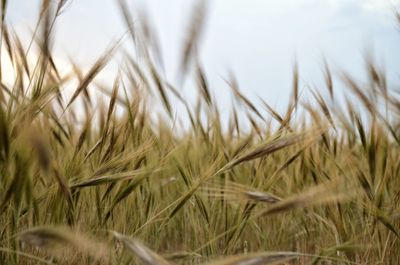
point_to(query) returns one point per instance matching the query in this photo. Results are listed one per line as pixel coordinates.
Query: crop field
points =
(93, 173)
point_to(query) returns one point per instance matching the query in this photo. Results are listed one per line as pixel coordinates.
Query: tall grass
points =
(88, 182)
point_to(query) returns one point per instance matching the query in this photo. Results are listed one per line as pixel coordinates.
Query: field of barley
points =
(92, 173)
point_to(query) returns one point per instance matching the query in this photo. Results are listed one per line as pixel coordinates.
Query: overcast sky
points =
(256, 39)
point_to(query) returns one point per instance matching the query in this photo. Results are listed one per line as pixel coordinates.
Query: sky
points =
(257, 40)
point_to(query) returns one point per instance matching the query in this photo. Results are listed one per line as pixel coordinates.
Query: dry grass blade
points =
(47, 14)
(146, 255)
(41, 148)
(257, 258)
(202, 84)
(92, 73)
(287, 163)
(2, 26)
(111, 105)
(102, 180)
(235, 88)
(382, 217)
(93, 149)
(177, 94)
(328, 79)
(3, 9)
(288, 116)
(231, 190)
(66, 192)
(46, 237)
(192, 190)
(181, 255)
(7, 41)
(273, 146)
(323, 106)
(161, 89)
(360, 128)
(124, 192)
(4, 135)
(360, 94)
(326, 193)
(60, 238)
(272, 112)
(21, 54)
(295, 84)
(128, 19)
(193, 35)
(262, 196)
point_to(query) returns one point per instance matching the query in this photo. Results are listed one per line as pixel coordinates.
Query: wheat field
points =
(92, 173)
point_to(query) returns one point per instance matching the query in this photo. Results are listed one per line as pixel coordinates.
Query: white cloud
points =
(380, 5)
